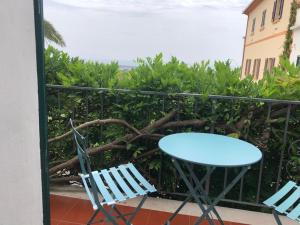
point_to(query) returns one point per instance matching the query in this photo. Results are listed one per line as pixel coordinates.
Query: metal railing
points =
(280, 118)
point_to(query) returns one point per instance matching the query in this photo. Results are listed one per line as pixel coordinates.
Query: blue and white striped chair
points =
(108, 187)
(286, 201)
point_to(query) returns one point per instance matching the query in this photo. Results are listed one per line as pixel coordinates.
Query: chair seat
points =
(285, 199)
(117, 184)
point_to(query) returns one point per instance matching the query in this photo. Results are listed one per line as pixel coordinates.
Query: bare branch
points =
(197, 123)
(159, 122)
(116, 144)
(72, 162)
(97, 123)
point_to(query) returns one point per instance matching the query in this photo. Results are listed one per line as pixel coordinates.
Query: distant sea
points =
(127, 67)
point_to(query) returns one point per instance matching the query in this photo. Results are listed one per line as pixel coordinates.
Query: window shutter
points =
(274, 10)
(246, 67)
(266, 65)
(272, 64)
(249, 67)
(254, 68)
(257, 68)
(281, 8)
(298, 61)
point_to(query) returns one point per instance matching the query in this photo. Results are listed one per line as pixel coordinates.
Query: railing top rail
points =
(265, 100)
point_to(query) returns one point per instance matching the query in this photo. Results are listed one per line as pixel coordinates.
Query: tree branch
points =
(92, 151)
(93, 123)
(197, 123)
(116, 144)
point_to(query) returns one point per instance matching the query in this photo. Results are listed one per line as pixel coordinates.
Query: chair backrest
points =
(85, 165)
(81, 146)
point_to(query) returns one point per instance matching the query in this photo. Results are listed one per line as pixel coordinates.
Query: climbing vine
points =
(289, 35)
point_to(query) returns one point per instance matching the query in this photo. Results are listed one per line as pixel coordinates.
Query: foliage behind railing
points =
(272, 125)
(123, 125)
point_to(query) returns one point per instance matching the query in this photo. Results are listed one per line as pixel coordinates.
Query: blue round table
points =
(210, 150)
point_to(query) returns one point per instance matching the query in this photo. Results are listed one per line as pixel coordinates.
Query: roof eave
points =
(251, 6)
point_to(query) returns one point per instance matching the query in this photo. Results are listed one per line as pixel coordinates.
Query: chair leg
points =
(120, 214)
(93, 217)
(133, 214)
(276, 217)
(107, 217)
(111, 220)
(137, 209)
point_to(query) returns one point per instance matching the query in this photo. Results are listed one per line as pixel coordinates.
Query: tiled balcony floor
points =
(73, 211)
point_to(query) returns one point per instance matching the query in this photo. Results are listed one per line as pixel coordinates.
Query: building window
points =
(253, 25)
(263, 19)
(256, 68)
(248, 67)
(278, 9)
(269, 64)
(298, 61)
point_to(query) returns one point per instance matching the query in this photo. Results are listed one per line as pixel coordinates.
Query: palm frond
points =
(52, 34)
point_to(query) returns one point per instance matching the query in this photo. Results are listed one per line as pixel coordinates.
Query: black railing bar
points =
(288, 114)
(263, 100)
(225, 177)
(58, 99)
(87, 103)
(241, 189)
(213, 113)
(161, 155)
(207, 185)
(261, 167)
(160, 171)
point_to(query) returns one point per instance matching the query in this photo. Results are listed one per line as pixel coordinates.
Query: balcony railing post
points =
(288, 114)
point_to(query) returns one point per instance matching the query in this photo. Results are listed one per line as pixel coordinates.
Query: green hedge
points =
(240, 118)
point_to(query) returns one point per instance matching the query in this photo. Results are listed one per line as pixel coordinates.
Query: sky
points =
(124, 30)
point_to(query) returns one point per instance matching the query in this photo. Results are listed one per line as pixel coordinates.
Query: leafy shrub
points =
(239, 118)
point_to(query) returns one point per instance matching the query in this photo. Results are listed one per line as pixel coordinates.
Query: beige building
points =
(267, 26)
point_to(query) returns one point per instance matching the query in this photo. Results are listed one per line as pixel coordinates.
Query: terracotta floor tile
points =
(181, 220)
(81, 213)
(70, 223)
(60, 205)
(193, 220)
(54, 222)
(159, 218)
(72, 211)
(142, 216)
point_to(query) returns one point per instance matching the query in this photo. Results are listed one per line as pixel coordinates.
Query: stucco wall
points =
(265, 42)
(272, 48)
(20, 189)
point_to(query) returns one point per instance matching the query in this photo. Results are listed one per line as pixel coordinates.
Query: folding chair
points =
(286, 201)
(110, 186)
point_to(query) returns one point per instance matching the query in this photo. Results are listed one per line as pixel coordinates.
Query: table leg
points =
(206, 199)
(222, 194)
(199, 185)
(193, 192)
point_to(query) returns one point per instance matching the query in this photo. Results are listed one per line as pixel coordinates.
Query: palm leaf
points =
(52, 34)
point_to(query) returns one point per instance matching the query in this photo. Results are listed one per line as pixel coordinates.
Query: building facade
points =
(266, 31)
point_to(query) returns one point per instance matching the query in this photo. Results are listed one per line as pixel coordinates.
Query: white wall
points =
(20, 172)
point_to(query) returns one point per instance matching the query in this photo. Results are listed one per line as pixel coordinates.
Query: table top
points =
(210, 149)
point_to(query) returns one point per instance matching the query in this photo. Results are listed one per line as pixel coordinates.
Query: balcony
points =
(266, 123)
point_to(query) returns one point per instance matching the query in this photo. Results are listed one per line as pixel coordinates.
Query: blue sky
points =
(123, 30)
